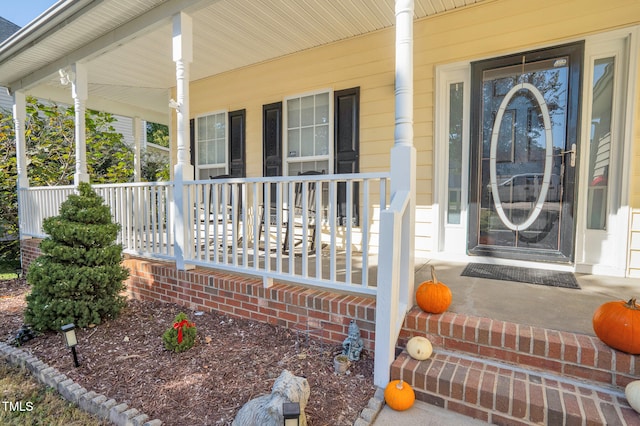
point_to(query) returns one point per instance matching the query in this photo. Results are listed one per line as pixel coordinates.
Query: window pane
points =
(219, 131)
(322, 140)
(293, 113)
(322, 108)
(220, 154)
(307, 112)
(307, 142)
(202, 153)
(293, 141)
(456, 92)
(600, 146)
(202, 128)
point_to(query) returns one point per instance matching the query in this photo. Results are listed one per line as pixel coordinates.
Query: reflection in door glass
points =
(600, 146)
(522, 146)
(456, 91)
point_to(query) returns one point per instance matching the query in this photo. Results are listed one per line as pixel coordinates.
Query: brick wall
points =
(30, 249)
(324, 314)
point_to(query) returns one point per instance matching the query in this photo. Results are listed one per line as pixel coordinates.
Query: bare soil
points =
(233, 361)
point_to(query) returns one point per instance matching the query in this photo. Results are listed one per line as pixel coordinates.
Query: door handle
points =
(572, 158)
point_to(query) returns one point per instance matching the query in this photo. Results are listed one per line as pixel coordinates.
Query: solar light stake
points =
(291, 413)
(71, 340)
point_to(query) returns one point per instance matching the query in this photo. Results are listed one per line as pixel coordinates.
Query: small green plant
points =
(181, 336)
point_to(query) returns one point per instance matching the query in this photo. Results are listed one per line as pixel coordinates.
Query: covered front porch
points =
(350, 233)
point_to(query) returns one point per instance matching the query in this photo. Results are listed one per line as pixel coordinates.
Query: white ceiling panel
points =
(228, 34)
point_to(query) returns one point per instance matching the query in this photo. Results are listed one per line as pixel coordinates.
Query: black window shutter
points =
(272, 143)
(237, 139)
(347, 147)
(272, 139)
(192, 146)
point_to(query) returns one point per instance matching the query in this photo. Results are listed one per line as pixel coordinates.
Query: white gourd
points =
(419, 348)
(632, 392)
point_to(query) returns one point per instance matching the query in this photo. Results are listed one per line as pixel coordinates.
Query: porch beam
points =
(99, 103)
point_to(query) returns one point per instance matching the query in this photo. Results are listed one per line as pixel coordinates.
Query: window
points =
(211, 145)
(309, 133)
(600, 142)
(456, 110)
(451, 161)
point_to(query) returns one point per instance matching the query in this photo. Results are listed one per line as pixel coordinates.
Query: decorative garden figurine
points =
(353, 344)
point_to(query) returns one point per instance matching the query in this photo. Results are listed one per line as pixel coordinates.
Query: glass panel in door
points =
(526, 159)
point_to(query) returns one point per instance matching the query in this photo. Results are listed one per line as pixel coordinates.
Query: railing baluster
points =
(364, 224)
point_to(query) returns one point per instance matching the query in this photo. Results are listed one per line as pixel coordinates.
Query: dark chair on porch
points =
(299, 220)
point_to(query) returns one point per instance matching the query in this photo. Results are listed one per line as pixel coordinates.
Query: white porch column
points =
(403, 153)
(397, 223)
(183, 171)
(137, 155)
(20, 119)
(80, 92)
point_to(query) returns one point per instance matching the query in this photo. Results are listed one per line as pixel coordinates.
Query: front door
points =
(524, 137)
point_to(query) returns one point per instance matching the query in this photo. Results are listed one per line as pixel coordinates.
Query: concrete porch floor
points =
(549, 307)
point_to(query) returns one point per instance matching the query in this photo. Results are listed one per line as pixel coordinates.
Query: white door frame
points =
(450, 240)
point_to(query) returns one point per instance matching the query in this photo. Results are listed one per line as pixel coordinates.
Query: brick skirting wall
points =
(321, 313)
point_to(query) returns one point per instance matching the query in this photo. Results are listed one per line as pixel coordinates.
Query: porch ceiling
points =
(127, 43)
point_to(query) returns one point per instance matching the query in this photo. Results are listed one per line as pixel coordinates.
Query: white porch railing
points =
(230, 228)
(233, 230)
(38, 204)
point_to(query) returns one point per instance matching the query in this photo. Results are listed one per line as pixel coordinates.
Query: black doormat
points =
(522, 275)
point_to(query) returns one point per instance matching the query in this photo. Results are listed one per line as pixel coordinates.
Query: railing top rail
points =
(270, 179)
(48, 188)
(132, 184)
(298, 178)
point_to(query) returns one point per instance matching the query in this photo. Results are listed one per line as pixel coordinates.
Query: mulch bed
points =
(233, 361)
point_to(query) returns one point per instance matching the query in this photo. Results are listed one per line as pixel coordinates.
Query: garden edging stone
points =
(89, 401)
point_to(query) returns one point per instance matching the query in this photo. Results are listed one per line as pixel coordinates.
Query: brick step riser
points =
(569, 354)
(501, 395)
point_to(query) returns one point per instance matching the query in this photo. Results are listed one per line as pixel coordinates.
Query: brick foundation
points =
(321, 313)
(324, 314)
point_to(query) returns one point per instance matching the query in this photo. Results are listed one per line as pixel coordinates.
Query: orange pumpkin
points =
(399, 395)
(618, 324)
(433, 296)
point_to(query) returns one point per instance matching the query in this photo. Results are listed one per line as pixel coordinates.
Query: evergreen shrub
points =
(79, 277)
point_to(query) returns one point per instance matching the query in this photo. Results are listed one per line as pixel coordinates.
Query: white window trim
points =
(450, 238)
(226, 141)
(286, 160)
(611, 243)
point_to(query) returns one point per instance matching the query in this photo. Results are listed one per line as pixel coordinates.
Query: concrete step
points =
(505, 394)
(563, 353)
